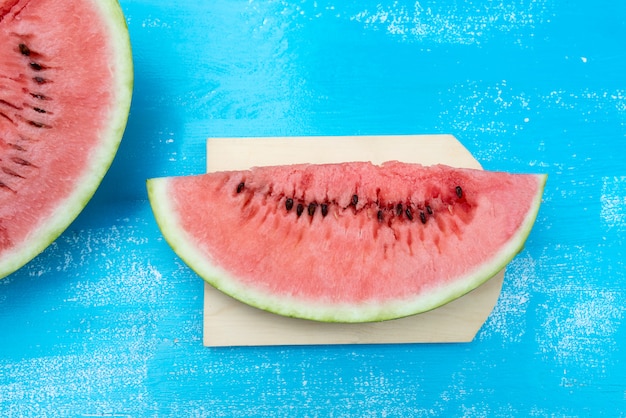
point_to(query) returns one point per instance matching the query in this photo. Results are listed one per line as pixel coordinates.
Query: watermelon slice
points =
(349, 242)
(66, 82)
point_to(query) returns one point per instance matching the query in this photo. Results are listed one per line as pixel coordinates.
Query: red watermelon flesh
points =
(65, 87)
(348, 242)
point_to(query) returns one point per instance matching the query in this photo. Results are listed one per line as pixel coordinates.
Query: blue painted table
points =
(108, 321)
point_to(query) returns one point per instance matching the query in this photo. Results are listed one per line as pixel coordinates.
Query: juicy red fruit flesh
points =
(390, 238)
(348, 242)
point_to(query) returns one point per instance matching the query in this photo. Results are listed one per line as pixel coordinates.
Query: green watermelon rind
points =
(167, 219)
(69, 209)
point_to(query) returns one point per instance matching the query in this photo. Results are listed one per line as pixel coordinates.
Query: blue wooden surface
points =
(108, 321)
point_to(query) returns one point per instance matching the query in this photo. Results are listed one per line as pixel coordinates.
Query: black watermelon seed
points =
(39, 110)
(399, 209)
(37, 124)
(409, 214)
(10, 172)
(422, 217)
(289, 204)
(35, 66)
(429, 210)
(311, 208)
(11, 105)
(324, 207)
(240, 187)
(380, 216)
(459, 191)
(24, 50)
(3, 185)
(21, 161)
(355, 199)
(6, 117)
(40, 96)
(299, 209)
(40, 80)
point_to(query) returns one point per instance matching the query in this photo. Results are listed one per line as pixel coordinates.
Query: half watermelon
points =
(348, 242)
(66, 80)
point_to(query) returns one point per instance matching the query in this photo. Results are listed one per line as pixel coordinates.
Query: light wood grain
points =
(228, 322)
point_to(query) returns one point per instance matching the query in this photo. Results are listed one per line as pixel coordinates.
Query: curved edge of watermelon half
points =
(168, 218)
(100, 160)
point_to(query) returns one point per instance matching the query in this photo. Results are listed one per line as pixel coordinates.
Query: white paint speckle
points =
(581, 333)
(154, 23)
(507, 320)
(613, 203)
(457, 23)
(488, 109)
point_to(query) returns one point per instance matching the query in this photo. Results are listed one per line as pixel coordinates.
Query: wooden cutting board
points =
(228, 322)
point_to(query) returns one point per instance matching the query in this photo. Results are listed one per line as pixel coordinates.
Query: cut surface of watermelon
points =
(350, 242)
(66, 82)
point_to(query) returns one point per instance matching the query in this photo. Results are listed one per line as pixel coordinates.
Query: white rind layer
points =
(69, 208)
(169, 222)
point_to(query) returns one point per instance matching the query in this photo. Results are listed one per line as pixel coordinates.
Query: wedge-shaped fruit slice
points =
(66, 80)
(350, 242)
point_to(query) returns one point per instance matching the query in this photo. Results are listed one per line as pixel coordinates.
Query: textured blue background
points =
(108, 321)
